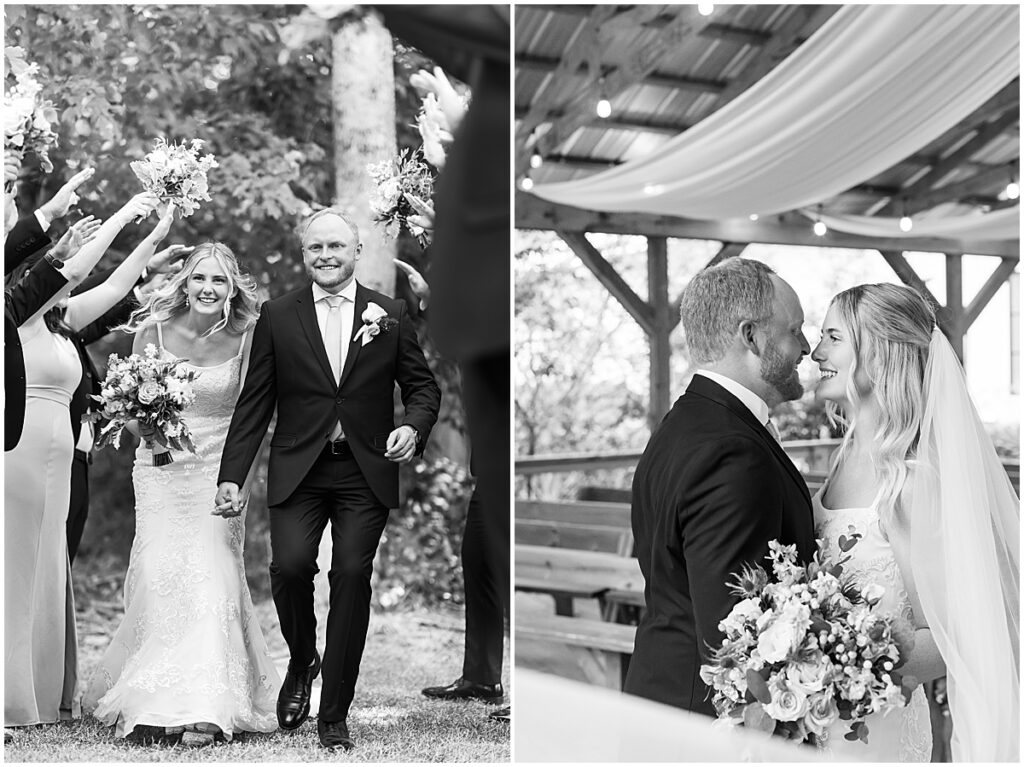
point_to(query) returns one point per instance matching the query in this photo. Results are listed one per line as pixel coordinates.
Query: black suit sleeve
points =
(736, 507)
(421, 395)
(22, 241)
(35, 289)
(255, 406)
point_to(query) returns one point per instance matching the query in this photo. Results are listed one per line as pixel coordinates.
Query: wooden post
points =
(954, 326)
(661, 348)
(1015, 333)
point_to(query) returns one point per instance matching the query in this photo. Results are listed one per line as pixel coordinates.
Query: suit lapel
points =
(362, 301)
(711, 390)
(306, 310)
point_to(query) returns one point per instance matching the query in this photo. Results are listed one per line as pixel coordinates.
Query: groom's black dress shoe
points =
(293, 700)
(334, 735)
(462, 689)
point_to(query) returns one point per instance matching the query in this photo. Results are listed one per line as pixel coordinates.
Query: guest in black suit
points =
(470, 311)
(334, 455)
(714, 486)
(29, 234)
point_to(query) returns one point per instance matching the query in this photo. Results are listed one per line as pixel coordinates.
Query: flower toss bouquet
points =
(804, 648)
(176, 173)
(152, 391)
(28, 117)
(402, 186)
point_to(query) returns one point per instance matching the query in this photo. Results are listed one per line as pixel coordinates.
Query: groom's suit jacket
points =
(712, 488)
(289, 369)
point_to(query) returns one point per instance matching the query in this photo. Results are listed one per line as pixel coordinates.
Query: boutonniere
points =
(375, 320)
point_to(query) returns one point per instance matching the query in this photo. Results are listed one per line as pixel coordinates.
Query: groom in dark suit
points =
(328, 356)
(714, 486)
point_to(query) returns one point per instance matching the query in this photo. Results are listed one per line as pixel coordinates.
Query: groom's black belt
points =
(339, 450)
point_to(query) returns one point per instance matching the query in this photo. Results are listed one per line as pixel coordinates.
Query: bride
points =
(189, 651)
(918, 484)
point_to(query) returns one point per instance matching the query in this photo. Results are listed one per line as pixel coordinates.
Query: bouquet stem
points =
(162, 459)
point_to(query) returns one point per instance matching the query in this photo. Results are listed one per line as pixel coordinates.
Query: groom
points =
(327, 356)
(714, 486)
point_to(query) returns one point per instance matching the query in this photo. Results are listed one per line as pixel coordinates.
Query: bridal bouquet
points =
(404, 186)
(152, 391)
(28, 118)
(803, 649)
(176, 173)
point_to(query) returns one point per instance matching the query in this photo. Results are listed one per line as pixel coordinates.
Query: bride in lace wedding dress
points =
(917, 485)
(190, 649)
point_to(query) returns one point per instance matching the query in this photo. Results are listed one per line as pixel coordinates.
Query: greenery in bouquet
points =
(419, 553)
(28, 117)
(153, 392)
(803, 649)
(402, 186)
(176, 173)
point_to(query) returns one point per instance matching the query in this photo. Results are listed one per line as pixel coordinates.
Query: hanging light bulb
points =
(604, 108)
(906, 224)
(820, 229)
(753, 217)
(705, 9)
(536, 160)
(1012, 190)
(526, 184)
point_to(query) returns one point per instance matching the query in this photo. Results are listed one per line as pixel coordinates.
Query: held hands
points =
(66, 196)
(229, 501)
(401, 444)
(77, 235)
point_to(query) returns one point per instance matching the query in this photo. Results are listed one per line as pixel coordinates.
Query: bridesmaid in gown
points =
(40, 669)
(189, 653)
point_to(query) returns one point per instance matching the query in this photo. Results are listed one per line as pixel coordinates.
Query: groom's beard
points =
(332, 279)
(780, 373)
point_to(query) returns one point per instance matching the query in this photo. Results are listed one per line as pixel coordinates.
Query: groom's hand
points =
(401, 444)
(228, 502)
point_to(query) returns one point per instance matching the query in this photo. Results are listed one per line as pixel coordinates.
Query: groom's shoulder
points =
(385, 301)
(287, 299)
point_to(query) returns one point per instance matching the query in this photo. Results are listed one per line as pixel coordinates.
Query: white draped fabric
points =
(558, 720)
(977, 227)
(873, 85)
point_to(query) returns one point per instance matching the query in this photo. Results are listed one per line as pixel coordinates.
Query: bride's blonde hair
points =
(890, 328)
(240, 310)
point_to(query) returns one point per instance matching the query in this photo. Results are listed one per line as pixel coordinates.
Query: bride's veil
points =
(965, 557)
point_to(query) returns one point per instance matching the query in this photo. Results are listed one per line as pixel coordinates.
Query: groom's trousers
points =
(333, 491)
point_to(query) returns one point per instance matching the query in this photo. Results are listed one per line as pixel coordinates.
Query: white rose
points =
(785, 633)
(787, 704)
(808, 677)
(822, 711)
(743, 611)
(372, 313)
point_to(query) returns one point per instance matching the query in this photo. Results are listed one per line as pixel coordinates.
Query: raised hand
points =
(66, 196)
(163, 226)
(169, 260)
(451, 103)
(12, 167)
(416, 282)
(138, 207)
(77, 235)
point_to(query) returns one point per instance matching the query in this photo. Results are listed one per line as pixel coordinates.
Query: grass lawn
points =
(390, 720)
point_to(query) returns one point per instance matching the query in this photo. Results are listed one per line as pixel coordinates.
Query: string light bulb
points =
(906, 224)
(819, 228)
(604, 106)
(753, 217)
(526, 184)
(705, 9)
(536, 160)
(1012, 190)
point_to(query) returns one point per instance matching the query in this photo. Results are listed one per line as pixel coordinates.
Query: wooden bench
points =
(575, 525)
(568, 574)
(602, 649)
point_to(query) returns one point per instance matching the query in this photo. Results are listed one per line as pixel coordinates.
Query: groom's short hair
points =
(718, 299)
(332, 211)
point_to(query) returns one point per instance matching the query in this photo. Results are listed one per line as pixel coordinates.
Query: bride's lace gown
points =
(189, 648)
(903, 735)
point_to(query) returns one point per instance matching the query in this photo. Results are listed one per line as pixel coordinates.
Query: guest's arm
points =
(34, 291)
(87, 307)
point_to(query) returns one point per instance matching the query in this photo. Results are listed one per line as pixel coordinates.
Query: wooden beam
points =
(954, 327)
(578, 162)
(531, 212)
(659, 339)
(952, 161)
(979, 182)
(641, 62)
(535, 63)
(906, 273)
(992, 285)
(610, 279)
(1015, 333)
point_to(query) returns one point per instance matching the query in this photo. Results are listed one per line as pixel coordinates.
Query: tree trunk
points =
(363, 94)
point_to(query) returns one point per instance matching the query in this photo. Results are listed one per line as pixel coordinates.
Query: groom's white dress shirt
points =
(754, 404)
(348, 310)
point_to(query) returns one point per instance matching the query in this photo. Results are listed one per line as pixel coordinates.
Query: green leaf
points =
(755, 718)
(758, 686)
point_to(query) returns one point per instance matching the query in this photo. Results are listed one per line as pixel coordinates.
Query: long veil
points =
(965, 557)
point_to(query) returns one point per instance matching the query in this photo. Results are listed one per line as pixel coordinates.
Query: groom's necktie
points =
(332, 343)
(773, 430)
